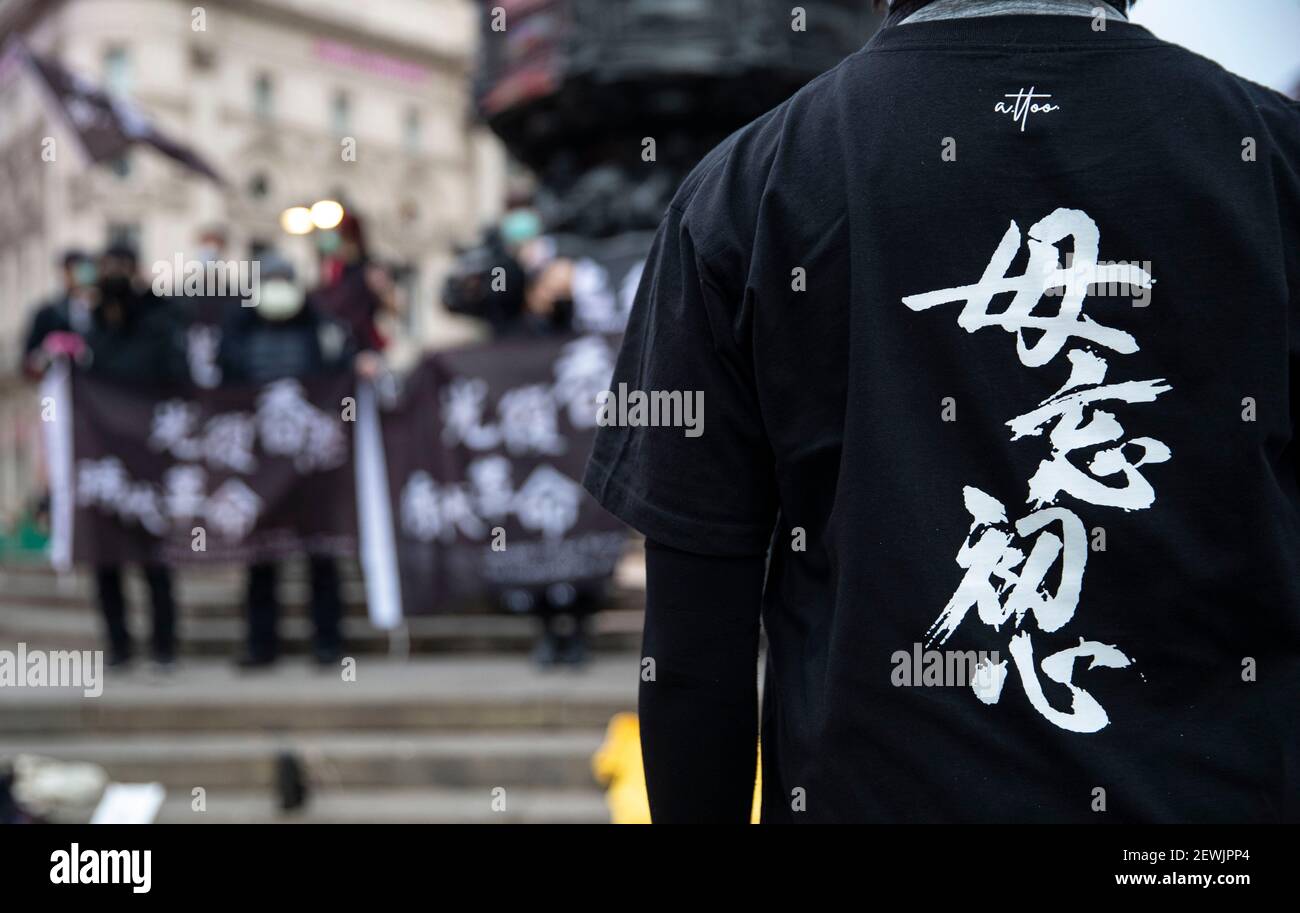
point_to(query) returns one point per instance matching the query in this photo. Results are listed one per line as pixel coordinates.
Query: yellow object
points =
(618, 767)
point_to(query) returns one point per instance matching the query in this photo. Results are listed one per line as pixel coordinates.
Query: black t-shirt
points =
(997, 330)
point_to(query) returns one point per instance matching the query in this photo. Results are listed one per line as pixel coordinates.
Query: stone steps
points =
(466, 760)
(617, 629)
(378, 806)
(522, 806)
(421, 739)
(429, 694)
(56, 611)
(219, 591)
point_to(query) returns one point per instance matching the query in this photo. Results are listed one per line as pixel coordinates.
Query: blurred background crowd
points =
(379, 161)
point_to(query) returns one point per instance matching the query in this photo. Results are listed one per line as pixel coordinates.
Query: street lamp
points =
(302, 220)
(326, 214)
(297, 220)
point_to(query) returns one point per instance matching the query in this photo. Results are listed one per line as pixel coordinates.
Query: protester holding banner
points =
(66, 313)
(134, 338)
(285, 336)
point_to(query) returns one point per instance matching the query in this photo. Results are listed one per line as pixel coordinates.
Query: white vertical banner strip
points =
(56, 422)
(378, 543)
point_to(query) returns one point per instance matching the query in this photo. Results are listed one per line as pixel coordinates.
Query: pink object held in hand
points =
(63, 343)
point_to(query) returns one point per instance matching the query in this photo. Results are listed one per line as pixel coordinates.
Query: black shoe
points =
(118, 658)
(546, 652)
(163, 657)
(573, 651)
(163, 665)
(290, 782)
(327, 657)
(250, 661)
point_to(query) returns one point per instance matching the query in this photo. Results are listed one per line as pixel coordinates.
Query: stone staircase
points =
(463, 729)
(57, 611)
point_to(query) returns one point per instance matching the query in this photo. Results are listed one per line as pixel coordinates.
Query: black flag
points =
(105, 125)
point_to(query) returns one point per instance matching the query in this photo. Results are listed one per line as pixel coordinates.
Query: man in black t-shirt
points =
(997, 334)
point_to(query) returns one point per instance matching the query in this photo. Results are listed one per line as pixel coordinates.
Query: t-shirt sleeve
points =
(696, 476)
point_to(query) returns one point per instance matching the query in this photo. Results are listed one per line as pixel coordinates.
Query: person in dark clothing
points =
(352, 290)
(134, 338)
(207, 312)
(474, 288)
(285, 335)
(68, 312)
(1001, 446)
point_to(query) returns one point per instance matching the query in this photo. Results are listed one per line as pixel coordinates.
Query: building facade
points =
(291, 101)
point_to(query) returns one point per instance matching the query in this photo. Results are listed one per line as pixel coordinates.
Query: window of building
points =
(259, 186)
(126, 234)
(264, 96)
(202, 59)
(341, 113)
(117, 70)
(412, 133)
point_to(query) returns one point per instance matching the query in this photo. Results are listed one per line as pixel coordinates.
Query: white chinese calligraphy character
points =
(1070, 433)
(1085, 714)
(283, 418)
(583, 369)
(183, 491)
(172, 427)
(228, 441)
(1042, 273)
(493, 487)
(463, 403)
(528, 421)
(987, 554)
(232, 509)
(548, 501)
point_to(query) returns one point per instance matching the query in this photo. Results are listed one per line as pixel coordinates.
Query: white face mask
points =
(278, 299)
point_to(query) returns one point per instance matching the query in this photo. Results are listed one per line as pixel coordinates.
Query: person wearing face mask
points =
(134, 338)
(285, 335)
(353, 289)
(58, 323)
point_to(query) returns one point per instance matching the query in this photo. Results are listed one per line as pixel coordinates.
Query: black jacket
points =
(146, 345)
(256, 351)
(50, 317)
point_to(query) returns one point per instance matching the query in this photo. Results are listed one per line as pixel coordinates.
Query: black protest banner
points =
(239, 474)
(486, 448)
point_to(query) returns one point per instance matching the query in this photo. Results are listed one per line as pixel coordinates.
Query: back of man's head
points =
(899, 9)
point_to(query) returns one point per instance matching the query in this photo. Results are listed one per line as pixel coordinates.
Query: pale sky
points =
(1257, 39)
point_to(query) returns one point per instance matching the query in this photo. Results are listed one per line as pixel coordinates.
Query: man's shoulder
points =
(1208, 80)
(50, 309)
(724, 192)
